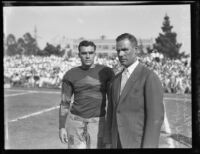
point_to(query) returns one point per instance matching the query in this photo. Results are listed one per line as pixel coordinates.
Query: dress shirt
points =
(131, 68)
(126, 74)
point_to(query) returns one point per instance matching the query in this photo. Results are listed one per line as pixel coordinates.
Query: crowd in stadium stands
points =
(36, 71)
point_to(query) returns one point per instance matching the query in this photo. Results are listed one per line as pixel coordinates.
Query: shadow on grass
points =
(187, 141)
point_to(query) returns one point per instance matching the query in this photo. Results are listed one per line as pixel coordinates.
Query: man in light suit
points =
(136, 112)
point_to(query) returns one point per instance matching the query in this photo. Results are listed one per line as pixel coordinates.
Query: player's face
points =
(87, 55)
(126, 52)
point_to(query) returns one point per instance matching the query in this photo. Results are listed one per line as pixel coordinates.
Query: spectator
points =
(165, 68)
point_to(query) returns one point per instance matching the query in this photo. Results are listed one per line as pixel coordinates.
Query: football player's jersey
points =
(89, 87)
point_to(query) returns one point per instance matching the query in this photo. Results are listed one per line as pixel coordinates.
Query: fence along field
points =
(31, 120)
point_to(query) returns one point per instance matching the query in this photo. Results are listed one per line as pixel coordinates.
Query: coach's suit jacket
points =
(138, 113)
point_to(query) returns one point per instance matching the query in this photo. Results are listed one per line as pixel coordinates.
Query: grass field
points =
(31, 120)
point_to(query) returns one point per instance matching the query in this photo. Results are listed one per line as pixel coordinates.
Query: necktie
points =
(124, 79)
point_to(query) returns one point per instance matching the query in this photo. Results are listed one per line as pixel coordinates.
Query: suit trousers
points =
(119, 146)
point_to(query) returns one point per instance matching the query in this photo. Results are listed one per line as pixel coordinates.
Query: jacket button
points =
(118, 111)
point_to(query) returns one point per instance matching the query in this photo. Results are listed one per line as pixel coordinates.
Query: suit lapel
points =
(130, 82)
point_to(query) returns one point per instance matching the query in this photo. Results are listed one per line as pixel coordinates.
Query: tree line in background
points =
(165, 44)
(27, 45)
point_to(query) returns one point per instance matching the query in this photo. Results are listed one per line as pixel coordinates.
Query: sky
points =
(143, 21)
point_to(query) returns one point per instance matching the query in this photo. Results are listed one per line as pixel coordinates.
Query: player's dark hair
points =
(128, 36)
(86, 43)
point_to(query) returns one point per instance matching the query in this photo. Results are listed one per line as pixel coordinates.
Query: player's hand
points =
(63, 135)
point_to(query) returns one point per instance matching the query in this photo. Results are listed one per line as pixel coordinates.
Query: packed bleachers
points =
(36, 71)
(175, 75)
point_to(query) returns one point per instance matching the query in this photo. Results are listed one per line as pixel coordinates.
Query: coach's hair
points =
(128, 36)
(86, 43)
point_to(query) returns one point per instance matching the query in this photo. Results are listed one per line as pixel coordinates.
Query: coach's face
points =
(87, 55)
(126, 52)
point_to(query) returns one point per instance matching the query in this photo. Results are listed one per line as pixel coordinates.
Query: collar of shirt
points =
(132, 67)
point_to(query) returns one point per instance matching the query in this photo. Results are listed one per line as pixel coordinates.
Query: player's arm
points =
(109, 110)
(108, 122)
(109, 81)
(66, 94)
(64, 110)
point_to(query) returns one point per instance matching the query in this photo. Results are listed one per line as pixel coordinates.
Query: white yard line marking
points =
(35, 91)
(168, 131)
(59, 92)
(15, 90)
(10, 95)
(35, 113)
(177, 99)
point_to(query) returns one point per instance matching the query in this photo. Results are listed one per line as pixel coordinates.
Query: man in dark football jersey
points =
(81, 123)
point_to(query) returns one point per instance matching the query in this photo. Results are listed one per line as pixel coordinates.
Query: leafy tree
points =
(11, 45)
(59, 51)
(69, 53)
(20, 46)
(52, 50)
(11, 39)
(49, 49)
(31, 47)
(43, 53)
(166, 43)
(141, 48)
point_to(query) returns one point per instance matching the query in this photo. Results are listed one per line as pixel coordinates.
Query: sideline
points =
(10, 95)
(34, 114)
(36, 91)
(177, 99)
(170, 141)
(58, 92)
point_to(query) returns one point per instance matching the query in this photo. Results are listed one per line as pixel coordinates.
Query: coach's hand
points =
(63, 135)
